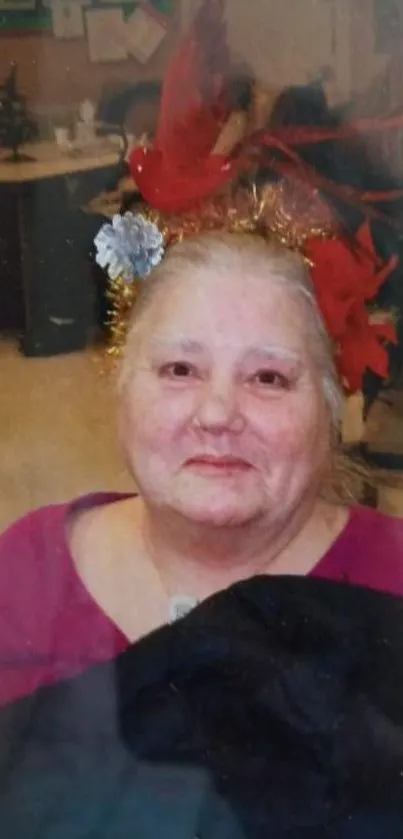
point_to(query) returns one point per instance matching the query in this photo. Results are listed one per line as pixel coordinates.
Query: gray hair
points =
(225, 252)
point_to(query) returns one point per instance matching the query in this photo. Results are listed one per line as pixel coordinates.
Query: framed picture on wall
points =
(17, 5)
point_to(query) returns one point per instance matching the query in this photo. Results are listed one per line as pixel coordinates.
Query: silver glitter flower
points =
(131, 246)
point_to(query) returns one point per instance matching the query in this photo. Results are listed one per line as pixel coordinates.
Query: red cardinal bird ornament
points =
(179, 170)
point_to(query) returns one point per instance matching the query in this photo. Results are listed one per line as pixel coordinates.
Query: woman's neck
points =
(198, 560)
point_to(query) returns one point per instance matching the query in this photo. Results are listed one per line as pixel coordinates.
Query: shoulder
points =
(46, 618)
(31, 561)
(35, 545)
(373, 547)
(33, 552)
(34, 549)
(31, 531)
(367, 523)
(45, 527)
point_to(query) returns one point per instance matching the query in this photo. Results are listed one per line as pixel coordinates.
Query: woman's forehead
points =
(225, 311)
(221, 299)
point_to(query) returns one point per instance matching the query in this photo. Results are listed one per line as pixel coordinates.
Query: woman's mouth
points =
(218, 464)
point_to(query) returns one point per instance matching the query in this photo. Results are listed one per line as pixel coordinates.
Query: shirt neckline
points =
(325, 563)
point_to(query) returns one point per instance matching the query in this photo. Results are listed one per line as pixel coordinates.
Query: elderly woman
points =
(275, 705)
(244, 613)
(230, 406)
(229, 411)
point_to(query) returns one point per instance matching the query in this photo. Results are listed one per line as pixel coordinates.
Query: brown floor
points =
(57, 432)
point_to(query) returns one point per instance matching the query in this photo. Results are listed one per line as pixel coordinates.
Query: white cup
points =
(62, 138)
(85, 135)
(115, 140)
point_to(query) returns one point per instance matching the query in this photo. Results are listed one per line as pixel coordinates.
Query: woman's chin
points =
(209, 501)
(219, 511)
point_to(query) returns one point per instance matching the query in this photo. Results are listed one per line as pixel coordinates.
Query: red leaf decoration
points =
(346, 278)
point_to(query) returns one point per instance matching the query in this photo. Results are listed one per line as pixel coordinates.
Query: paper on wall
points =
(49, 3)
(106, 35)
(144, 33)
(67, 19)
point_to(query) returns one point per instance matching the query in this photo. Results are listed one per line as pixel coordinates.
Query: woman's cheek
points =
(289, 426)
(161, 418)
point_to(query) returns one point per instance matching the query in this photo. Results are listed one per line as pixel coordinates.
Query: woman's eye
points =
(177, 370)
(271, 379)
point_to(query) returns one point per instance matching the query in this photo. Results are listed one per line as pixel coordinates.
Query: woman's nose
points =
(218, 409)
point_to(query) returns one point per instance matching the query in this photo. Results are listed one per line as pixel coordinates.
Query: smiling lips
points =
(218, 465)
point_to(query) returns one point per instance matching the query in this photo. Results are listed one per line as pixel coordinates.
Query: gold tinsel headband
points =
(345, 279)
(290, 215)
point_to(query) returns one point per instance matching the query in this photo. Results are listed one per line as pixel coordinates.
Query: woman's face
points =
(223, 418)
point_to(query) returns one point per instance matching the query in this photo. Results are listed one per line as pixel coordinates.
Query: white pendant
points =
(180, 606)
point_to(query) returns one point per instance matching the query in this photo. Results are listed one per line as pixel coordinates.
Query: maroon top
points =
(51, 628)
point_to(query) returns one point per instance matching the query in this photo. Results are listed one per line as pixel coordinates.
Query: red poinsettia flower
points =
(346, 278)
(361, 347)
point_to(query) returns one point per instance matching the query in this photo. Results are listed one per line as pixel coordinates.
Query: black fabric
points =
(273, 710)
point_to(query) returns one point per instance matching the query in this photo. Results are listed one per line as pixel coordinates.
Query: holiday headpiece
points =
(186, 189)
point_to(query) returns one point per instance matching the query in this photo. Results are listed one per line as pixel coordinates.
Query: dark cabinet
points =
(48, 288)
(11, 291)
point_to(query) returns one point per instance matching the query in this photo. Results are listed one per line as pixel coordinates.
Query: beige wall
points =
(366, 63)
(54, 72)
(286, 40)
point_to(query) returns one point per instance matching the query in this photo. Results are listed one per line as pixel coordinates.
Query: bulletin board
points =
(36, 15)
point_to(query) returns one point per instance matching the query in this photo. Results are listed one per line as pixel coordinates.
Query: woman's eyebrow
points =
(266, 352)
(183, 345)
(273, 352)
